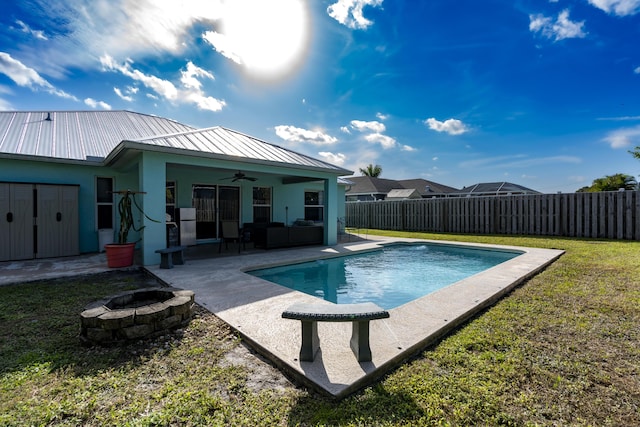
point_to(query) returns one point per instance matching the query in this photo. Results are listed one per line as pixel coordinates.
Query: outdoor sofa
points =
(270, 235)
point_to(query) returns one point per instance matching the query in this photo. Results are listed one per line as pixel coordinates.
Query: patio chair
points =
(231, 232)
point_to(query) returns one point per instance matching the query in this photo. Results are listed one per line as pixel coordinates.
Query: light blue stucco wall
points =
(12, 170)
(148, 171)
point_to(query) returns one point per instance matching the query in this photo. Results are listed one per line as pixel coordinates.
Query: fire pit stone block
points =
(136, 314)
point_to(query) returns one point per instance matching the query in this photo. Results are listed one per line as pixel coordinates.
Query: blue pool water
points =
(389, 277)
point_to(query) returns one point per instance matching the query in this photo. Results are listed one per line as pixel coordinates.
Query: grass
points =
(562, 349)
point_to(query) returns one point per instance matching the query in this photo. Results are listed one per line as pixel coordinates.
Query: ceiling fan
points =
(240, 176)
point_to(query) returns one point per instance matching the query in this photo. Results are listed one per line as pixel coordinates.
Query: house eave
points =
(121, 151)
(47, 159)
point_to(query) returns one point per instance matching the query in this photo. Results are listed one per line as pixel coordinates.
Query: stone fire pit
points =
(136, 314)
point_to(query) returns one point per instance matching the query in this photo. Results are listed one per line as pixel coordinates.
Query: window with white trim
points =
(314, 206)
(261, 204)
(104, 202)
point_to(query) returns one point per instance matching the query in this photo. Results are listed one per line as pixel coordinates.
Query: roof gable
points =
(426, 187)
(228, 143)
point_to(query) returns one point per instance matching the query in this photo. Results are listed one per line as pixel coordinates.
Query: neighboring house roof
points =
(403, 193)
(366, 185)
(102, 136)
(494, 188)
(425, 187)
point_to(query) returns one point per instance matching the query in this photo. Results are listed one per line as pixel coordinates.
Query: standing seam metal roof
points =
(77, 135)
(226, 142)
(93, 135)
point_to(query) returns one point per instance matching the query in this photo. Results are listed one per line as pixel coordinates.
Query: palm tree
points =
(372, 171)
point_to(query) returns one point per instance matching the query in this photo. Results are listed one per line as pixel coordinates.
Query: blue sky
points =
(541, 93)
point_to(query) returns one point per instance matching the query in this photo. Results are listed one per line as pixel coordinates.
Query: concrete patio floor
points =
(253, 307)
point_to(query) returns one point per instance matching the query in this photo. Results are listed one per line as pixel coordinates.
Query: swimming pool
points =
(389, 277)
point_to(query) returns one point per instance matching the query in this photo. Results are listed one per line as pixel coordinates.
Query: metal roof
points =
(94, 136)
(76, 135)
(230, 144)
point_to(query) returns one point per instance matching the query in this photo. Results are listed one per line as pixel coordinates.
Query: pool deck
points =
(253, 307)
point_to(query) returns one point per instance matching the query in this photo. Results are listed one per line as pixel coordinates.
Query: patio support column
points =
(331, 211)
(153, 177)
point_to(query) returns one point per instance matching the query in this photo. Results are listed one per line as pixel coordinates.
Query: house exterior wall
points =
(12, 170)
(148, 171)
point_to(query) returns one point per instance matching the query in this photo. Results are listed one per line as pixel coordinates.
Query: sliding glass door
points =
(214, 203)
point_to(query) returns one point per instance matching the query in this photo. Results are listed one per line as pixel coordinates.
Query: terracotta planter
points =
(119, 255)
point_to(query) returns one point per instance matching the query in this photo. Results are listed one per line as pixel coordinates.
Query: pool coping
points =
(253, 307)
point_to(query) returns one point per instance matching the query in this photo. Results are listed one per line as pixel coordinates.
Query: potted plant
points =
(120, 254)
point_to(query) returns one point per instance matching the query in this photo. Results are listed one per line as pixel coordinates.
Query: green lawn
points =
(562, 349)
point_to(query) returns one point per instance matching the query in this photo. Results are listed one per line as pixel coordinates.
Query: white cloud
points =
(345, 129)
(204, 102)
(382, 117)
(86, 29)
(193, 88)
(561, 28)
(191, 93)
(623, 137)
(617, 7)
(26, 29)
(127, 27)
(122, 96)
(450, 126)
(374, 130)
(337, 159)
(97, 104)
(435, 159)
(258, 34)
(637, 70)
(349, 12)
(189, 76)
(164, 88)
(385, 141)
(295, 134)
(372, 126)
(28, 77)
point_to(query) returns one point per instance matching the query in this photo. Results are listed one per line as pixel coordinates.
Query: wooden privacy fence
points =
(611, 215)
